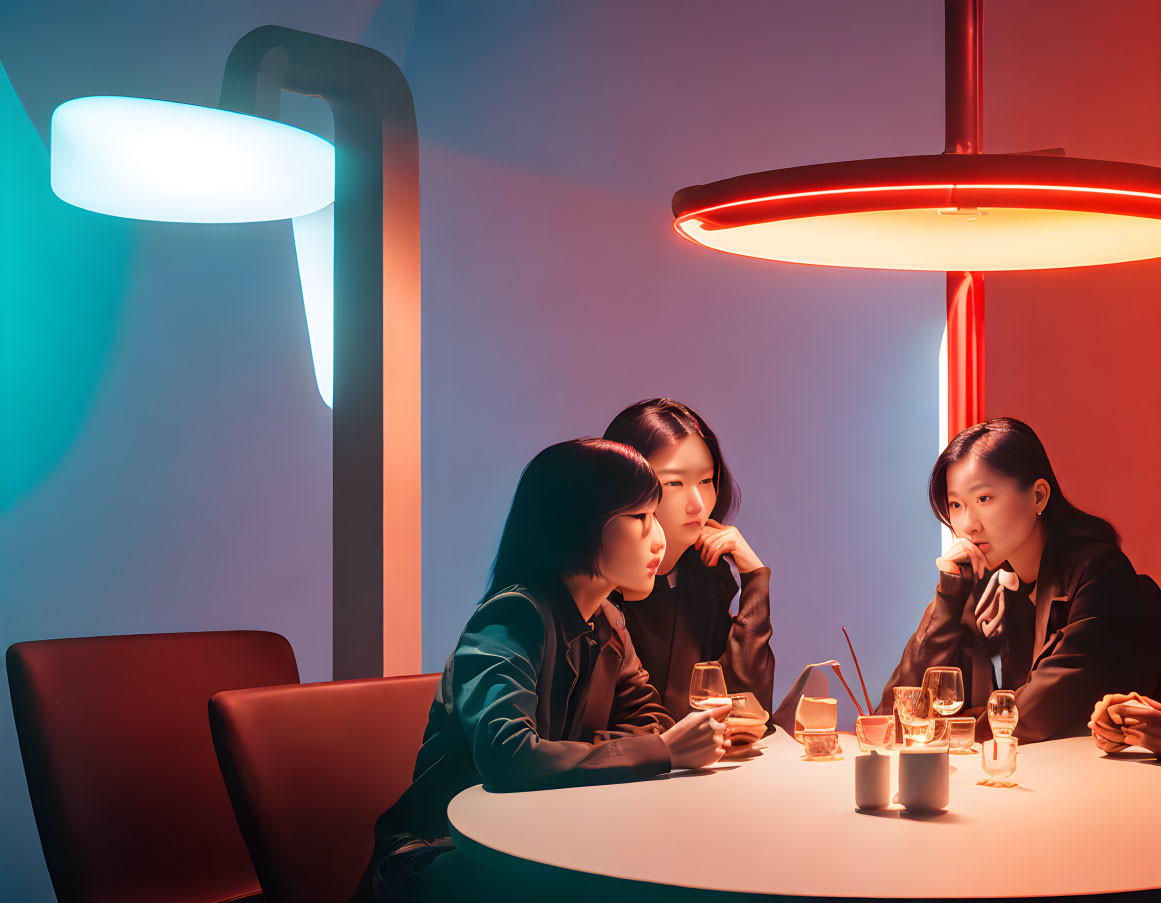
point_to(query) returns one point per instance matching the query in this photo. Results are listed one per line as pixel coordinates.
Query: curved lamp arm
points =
(376, 328)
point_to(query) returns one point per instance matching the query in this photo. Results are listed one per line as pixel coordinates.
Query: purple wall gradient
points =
(555, 292)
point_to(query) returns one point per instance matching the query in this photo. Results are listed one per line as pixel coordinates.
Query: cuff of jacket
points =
(754, 601)
(952, 594)
(648, 754)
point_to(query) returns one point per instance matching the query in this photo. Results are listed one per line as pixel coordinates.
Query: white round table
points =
(1078, 822)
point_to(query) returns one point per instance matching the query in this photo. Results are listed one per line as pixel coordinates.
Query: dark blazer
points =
(1100, 633)
(516, 709)
(675, 627)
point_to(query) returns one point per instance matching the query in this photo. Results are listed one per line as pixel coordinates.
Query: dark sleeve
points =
(1108, 645)
(943, 638)
(495, 670)
(748, 662)
(637, 706)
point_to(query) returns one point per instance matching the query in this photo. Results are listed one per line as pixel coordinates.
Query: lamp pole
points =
(963, 100)
(376, 330)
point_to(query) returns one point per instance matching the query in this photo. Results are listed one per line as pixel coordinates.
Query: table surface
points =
(1078, 822)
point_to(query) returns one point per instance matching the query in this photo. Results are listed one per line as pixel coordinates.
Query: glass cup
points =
(876, 733)
(916, 716)
(1003, 713)
(815, 713)
(962, 735)
(707, 687)
(818, 744)
(940, 734)
(998, 756)
(946, 686)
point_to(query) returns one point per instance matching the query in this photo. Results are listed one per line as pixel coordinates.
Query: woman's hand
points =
(1140, 722)
(698, 739)
(717, 539)
(962, 551)
(1105, 731)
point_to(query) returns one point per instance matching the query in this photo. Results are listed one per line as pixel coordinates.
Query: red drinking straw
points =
(870, 708)
(838, 670)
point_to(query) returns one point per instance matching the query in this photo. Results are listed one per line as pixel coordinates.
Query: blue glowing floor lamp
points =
(355, 212)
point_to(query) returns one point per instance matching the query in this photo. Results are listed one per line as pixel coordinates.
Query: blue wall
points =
(187, 481)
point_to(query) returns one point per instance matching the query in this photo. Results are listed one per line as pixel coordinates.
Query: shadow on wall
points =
(63, 273)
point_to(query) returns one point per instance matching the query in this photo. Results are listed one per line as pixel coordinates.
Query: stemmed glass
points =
(707, 686)
(1002, 713)
(946, 686)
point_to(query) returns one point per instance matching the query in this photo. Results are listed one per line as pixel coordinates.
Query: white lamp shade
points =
(176, 162)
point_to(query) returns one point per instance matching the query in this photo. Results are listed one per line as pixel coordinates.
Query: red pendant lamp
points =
(962, 211)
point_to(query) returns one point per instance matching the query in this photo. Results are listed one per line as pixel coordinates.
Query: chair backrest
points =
(125, 786)
(310, 768)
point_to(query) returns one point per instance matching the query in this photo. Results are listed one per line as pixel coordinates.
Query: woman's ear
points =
(1041, 492)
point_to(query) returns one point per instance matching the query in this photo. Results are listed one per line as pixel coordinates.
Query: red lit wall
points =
(1077, 353)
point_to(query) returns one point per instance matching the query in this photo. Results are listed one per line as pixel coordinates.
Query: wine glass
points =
(916, 716)
(946, 686)
(998, 756)
(1002, 713)
(707, 686)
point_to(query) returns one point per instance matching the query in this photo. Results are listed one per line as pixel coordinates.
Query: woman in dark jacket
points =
(684, 617)
(1033, 580)
(544, 688)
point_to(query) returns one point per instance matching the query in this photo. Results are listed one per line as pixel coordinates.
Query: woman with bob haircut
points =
(1033, 579)
(544, 688)
(684, 616)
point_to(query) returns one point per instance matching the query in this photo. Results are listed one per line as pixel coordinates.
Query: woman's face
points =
(632, 546)
(686, 472)
(990, 509)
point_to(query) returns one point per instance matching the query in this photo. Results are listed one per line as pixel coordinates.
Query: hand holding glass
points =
(946, 686)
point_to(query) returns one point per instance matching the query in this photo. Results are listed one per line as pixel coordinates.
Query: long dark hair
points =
(1010, 447)
(657, 422)
(565, 497)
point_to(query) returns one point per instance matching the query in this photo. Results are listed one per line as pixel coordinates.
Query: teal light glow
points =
(314, 242)
(63, 284)
(176, 162)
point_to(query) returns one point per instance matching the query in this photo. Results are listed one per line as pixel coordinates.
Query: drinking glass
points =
(818, 744)
(963, 734)
(876, 733)
(707, 686)
(940, 734)
(946, 686)
(998, 756)
(1002, 713)
(916, 715)
(815, 713)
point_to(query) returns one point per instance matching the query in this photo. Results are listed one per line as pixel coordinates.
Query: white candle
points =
(872, 781)
(923, 779)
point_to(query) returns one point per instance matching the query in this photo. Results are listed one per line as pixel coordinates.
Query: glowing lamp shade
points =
(967, 212)
(175, 162)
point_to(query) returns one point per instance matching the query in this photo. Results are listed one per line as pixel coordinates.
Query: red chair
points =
(310, 768)
(125, 787)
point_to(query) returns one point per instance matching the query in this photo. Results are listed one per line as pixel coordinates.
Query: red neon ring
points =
(927, 181)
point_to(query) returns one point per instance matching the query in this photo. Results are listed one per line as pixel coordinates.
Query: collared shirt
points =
(1095, 628)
